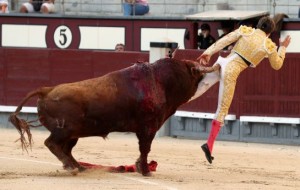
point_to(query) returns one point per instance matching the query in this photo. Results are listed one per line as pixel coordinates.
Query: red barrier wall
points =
(23, 70)
(260, 91)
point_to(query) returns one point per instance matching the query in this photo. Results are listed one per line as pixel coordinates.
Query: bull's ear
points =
(195, 72)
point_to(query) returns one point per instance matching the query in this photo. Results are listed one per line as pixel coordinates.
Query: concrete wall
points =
(197, 128)
(257, 132)
(171, 7)
(5, 115)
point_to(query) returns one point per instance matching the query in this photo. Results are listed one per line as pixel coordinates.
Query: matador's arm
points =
(276, 58)
(205, 69)
(223, 42)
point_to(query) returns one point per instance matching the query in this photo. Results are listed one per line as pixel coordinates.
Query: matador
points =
(251, 47)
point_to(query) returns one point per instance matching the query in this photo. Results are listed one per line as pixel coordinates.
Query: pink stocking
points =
(215, 128)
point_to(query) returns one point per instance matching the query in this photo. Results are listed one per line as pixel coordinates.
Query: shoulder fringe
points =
(245, 30)
(269, 46)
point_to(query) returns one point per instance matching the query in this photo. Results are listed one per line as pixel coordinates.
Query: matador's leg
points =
(229, 74)
(208, 81)
(211, 77)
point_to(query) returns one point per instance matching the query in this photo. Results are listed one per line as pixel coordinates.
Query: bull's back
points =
(115, 100)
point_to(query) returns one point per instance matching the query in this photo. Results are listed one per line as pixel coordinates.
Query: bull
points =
(136, 99)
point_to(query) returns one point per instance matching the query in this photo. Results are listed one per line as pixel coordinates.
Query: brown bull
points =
(135, 99)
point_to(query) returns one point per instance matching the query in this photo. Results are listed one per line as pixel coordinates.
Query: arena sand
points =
(181, 165)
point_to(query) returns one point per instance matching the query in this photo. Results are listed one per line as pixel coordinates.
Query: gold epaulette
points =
(270, 46)
(245, 30)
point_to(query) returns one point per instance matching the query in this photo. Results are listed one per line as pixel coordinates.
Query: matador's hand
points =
(285, 42)
(203, 59)
(205, 69)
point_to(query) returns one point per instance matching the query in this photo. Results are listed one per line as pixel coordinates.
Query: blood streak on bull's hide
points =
(150, 95)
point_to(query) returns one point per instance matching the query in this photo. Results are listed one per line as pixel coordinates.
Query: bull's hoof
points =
(68, 167)
(144, 170)
(73, 171)
(75, 167)
(81, 169)
(138, 168)
(149, 174)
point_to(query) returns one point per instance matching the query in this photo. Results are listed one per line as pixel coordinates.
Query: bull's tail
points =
(22, 125)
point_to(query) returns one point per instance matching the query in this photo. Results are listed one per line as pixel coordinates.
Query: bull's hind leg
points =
(55, 143)
(67, 149)
(145, 141)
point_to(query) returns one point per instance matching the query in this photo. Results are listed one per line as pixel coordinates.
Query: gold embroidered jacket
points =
(253, 45)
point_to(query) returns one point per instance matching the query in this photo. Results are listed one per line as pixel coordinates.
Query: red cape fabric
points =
(120, 169)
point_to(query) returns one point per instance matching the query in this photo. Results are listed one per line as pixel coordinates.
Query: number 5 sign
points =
(62, 37)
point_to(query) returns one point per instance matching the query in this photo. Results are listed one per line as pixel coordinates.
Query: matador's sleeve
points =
(223, 42)
(276, 58)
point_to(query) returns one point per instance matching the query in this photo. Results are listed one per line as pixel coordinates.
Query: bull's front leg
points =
(145, 141)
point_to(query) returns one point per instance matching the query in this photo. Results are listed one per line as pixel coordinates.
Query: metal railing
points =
(169, 7)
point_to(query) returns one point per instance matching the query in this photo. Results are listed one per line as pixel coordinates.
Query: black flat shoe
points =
(207, 153)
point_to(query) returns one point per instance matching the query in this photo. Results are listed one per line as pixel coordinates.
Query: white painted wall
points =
(16, 35)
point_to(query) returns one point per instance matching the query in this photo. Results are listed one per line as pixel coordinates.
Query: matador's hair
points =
(266, 24)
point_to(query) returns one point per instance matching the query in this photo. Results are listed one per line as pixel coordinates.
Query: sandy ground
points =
(181, 165)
